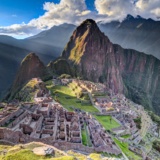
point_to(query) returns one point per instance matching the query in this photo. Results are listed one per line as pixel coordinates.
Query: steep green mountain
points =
(48, 45)
(31, 67)
(90, 54)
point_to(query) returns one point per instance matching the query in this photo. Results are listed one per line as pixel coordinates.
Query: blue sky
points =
(24, 18)
(18, 11)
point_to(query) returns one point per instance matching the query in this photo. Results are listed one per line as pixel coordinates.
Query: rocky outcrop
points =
(90, 54)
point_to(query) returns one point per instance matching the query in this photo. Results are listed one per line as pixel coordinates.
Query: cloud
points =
(115, 9)
(19, 30)
(75, 11)
(148, 8)
(67, 11)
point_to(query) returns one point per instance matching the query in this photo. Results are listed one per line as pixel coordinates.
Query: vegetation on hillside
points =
(68, 99)
(28, 91)
(156, 145)
(62, 76)
(154, 117)
(107, 122)
(125, 149)
(138, 122)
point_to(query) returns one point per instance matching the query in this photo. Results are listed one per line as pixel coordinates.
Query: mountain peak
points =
(89, 22)
(87, 34)
(31, 67)
(129, 17)
(30, 57)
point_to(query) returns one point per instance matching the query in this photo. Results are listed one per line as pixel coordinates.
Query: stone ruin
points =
(50, 123)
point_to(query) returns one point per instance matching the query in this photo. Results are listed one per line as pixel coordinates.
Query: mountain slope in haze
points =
(47, 50)
(56, 36)
(31, 67)
(10, 58)
(90, 54)
(48, 45)
(135, 33)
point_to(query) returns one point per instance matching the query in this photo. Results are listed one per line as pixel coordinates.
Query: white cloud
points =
(115, 9)
(148, 8)
(75, 11)
(19, 30)
(69, 11)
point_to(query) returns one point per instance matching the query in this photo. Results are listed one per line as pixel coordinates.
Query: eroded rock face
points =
(90, 54)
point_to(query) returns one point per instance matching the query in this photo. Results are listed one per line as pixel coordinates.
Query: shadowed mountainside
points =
(135, 33)
(31, 67)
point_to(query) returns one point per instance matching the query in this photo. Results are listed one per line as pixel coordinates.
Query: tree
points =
(110, 119)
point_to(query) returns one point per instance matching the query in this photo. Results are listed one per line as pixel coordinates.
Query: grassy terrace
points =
(85, 137)
(126, 136)
(25, 153)
(107, 123)
(68, 99)
(126, 151)
(18, 152)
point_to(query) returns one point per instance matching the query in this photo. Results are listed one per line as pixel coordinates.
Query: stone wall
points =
(39, 123)
(18, 137)
(18, 119)
(6, 119)
(73, 146)
(9, 135)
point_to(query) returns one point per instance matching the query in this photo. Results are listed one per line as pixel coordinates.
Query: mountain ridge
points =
(91, 55)
(31, 67)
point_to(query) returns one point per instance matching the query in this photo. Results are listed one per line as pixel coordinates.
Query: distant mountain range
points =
(136, 33)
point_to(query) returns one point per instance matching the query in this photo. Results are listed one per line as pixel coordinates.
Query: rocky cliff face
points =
(31, 67)
(90, 54)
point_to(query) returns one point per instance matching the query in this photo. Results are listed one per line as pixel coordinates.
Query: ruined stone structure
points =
(50, 123)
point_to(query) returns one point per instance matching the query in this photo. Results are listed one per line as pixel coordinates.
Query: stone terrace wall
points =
(18, 119)
(73, 146)
(6, 119)
(9, 135)
(19, 137)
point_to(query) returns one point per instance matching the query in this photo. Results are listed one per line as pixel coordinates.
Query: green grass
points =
(126, 151)
(126, 136)
(23, 155)
(105, 122)
(95, 156)
(84, 137)
(29, 155)
(18, 152)
(68, 99)
(26, 94)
